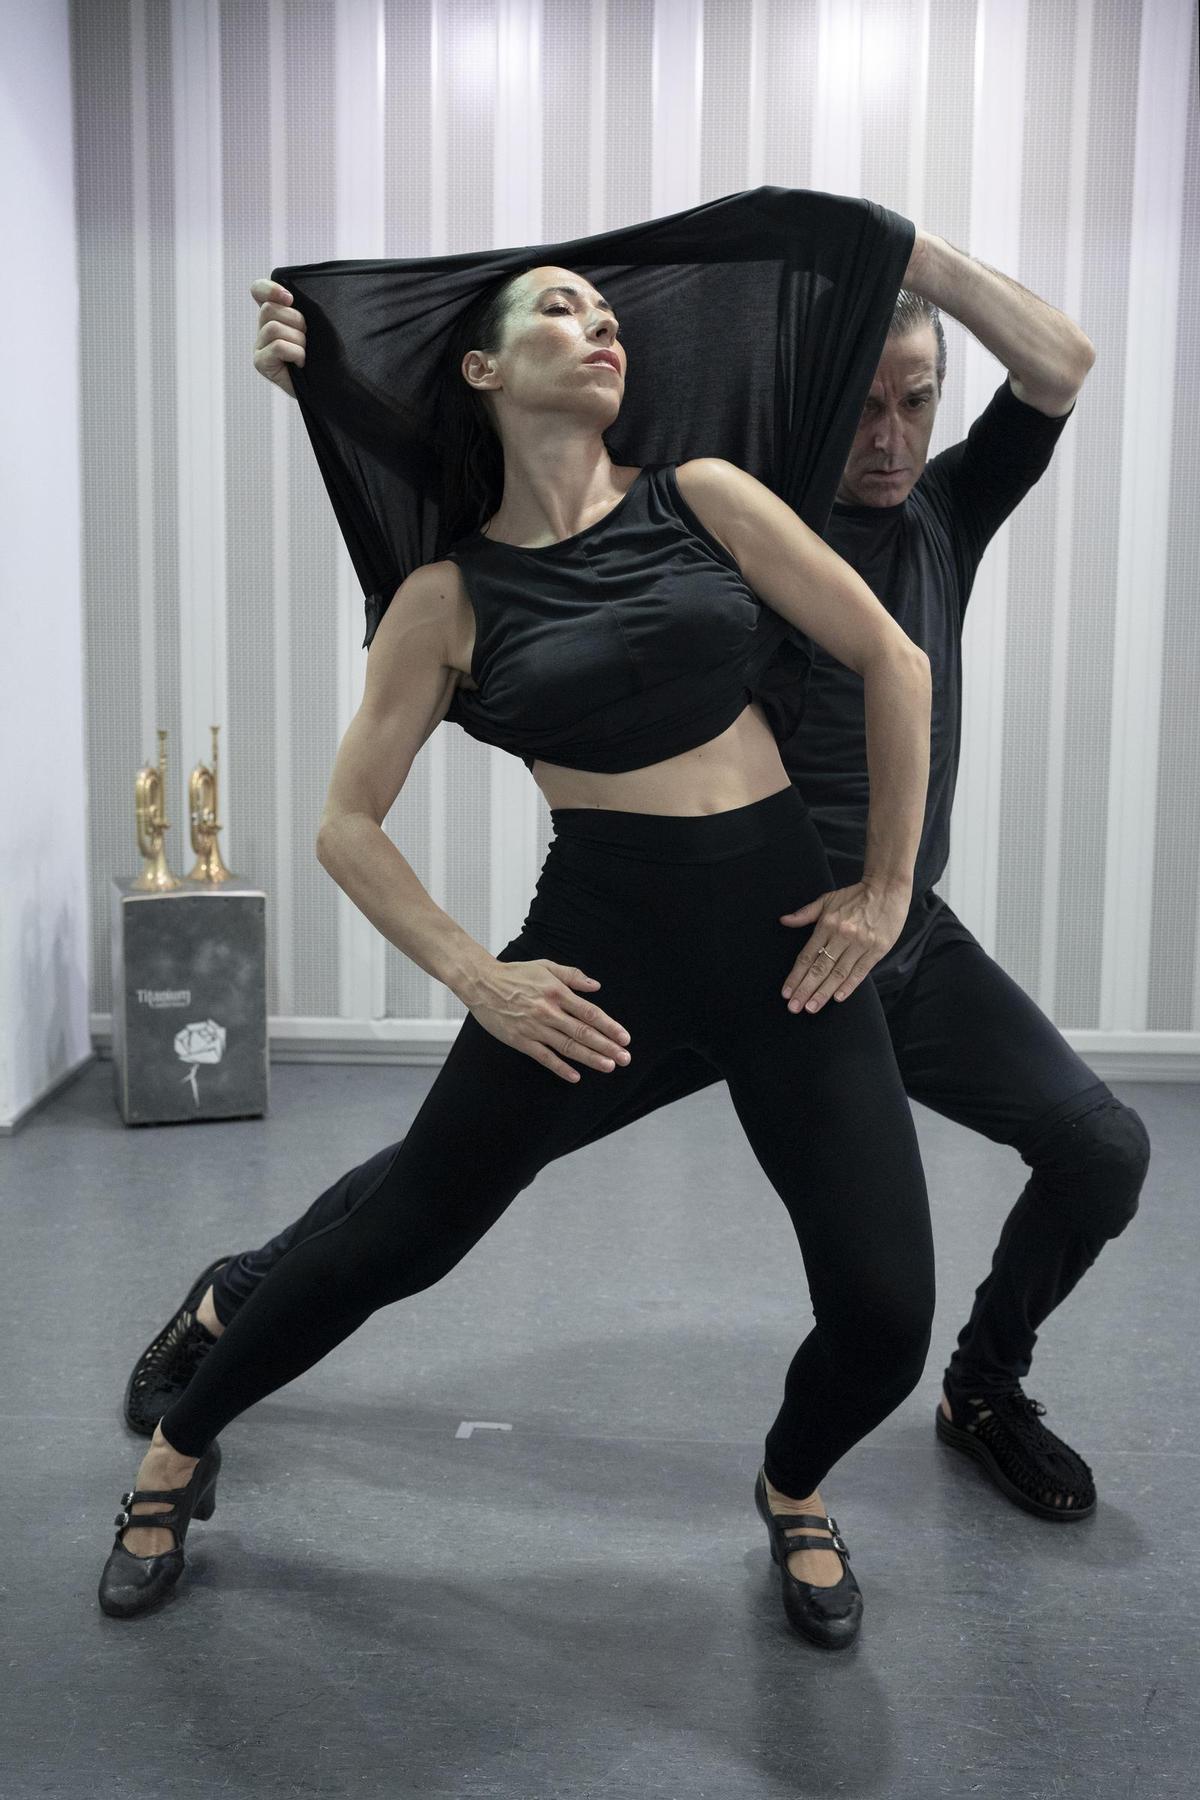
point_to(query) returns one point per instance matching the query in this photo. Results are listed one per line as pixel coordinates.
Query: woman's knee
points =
(885, 1339)
(1091, 1167)
(901, 1339)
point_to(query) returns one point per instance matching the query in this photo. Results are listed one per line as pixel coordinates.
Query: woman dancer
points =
(610, 623)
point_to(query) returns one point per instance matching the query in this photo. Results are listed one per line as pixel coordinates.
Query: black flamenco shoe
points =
(828, 1616)
(131, 1584)
(1028, 1463)
(170, 1359)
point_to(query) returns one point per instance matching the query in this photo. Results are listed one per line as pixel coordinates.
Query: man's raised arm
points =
(1046, 354)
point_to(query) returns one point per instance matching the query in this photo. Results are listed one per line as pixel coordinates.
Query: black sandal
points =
(133, 1584)
(170, 1359)
(828, 1616)
(1024, 1460)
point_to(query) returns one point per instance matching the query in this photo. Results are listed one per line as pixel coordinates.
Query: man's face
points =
(892, 440)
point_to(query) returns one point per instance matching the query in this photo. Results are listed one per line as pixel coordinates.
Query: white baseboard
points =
(19, 1118)
(1114, 1055)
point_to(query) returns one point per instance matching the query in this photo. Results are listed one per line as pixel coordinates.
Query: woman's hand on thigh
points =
(533, 1007)
(853, 929)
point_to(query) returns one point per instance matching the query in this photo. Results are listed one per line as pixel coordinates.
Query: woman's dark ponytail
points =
(472, 461)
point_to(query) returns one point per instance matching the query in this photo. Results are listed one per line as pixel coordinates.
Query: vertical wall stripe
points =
(1174, 978)
(200, 376)
(676, 89)
(307, 120)
(1100, 430)
(999, 100)
(1035, 602)
(1184, 577)
(249, 738)
(143, 372)
(571, 146)
(629, 119)
(359, 118)
(788, 92)
(756, 123)
(438, 230)
(837, 119)
(949, 146)
(919, 104)
(891, 76)
(1064, 536)
(108, 436)
(596, 85)
(157, 351)
(283, 907)
(1145, 494)
(517, 170)
(727, 81)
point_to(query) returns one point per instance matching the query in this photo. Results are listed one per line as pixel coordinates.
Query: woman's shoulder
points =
(709, 474)
(431, 584)
(714, 491)
(432, 596)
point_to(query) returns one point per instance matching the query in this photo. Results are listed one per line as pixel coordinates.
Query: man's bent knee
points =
(1091, 1167)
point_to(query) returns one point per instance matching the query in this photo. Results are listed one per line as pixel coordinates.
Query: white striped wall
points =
(398, 128)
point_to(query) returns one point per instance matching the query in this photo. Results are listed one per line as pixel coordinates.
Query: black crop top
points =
(631, 641)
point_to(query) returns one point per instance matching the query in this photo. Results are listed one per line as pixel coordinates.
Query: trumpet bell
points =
(209, 866)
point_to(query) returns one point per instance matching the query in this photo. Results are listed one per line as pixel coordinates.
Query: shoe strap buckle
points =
(839, 1542)
(122, 1519)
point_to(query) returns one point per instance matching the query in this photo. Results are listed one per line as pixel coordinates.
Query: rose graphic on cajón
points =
(202, 1042)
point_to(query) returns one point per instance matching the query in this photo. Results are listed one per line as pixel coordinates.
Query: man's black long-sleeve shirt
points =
(920, 559)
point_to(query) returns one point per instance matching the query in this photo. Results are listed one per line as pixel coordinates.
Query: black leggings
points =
(678, 917)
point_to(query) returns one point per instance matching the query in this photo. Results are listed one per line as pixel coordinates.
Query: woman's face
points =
(559, 348)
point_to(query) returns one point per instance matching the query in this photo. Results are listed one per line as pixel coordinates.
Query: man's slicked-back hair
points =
(909, 314)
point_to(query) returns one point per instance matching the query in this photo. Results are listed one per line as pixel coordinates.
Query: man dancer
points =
(969, 1042)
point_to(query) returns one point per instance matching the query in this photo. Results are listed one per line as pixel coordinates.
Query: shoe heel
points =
(206, 1506)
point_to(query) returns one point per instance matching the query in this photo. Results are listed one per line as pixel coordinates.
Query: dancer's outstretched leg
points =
(169, 1362)
(637, 1091)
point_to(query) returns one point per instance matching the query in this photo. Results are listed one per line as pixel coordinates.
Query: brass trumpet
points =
(150, 791)
(202, 803)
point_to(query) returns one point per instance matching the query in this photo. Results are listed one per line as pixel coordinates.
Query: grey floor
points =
(581, 1604)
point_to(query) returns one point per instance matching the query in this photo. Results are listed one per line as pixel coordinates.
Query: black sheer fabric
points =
(753, 325)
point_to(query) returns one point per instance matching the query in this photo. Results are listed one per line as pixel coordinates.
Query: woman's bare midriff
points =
(738, 767)
(735, 769)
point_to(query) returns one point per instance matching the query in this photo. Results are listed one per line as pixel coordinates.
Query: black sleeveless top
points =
(631, 641)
